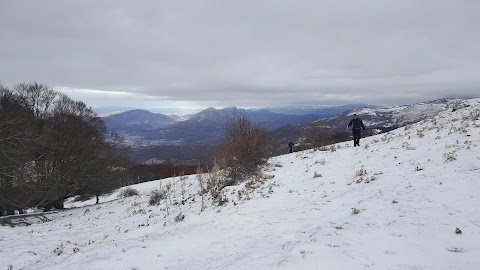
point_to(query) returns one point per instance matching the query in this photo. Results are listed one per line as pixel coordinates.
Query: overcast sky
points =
(243, 53)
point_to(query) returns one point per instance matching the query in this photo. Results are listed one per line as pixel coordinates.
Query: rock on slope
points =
(393, 203)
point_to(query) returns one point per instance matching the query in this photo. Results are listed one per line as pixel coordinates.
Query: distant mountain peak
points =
(137, 119)
(138, 111)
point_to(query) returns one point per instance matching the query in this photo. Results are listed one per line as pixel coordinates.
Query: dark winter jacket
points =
(357, 124)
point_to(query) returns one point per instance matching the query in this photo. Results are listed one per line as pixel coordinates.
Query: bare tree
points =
(38, 97)
(110, 168)
(52, 148)
(244, 148)
(16, 139)
(74, 144)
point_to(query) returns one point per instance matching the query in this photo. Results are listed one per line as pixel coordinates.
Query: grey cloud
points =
(245, 53)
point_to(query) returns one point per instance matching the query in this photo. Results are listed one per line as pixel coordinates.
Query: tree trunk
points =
(58, 204)
(98, 200)
(48, 206)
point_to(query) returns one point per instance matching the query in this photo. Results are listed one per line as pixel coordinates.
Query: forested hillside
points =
(52, 148)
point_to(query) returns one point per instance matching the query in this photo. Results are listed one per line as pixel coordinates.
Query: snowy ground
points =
(416, 185)
(399, 115)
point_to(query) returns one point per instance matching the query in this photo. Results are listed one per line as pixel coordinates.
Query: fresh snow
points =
(417, 184)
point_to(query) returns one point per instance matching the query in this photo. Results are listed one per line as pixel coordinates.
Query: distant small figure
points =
(356, 129)
(458, 231)
(290, 146)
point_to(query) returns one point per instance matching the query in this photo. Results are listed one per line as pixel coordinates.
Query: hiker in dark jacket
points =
(290, 147)
(357, 127)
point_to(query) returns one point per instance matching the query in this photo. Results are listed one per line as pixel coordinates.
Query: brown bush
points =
(244, 148)
(318, 136)
(128, 192)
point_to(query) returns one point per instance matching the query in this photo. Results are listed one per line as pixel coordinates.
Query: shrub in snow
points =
(407, 146)
(139, 211)
(202, 186)
(180, 217)
(323, 148)
(321, 162)
(223, 201)
(475, 115)
(361, 172)
(128, 192)
(256, 184)
(209, 183)
(244, 149)
(183, 186)
(462, 129)
(356, 211)
(359, 180)
(156, 196)
(58, 250)
(450, 156)
(317, 175)
(213, 180)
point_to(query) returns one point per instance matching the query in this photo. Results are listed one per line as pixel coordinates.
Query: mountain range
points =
(191, 137)
(143, 128)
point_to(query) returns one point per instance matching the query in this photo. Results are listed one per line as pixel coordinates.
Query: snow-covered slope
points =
(400, 115)
(389, 117)
(394, 203)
